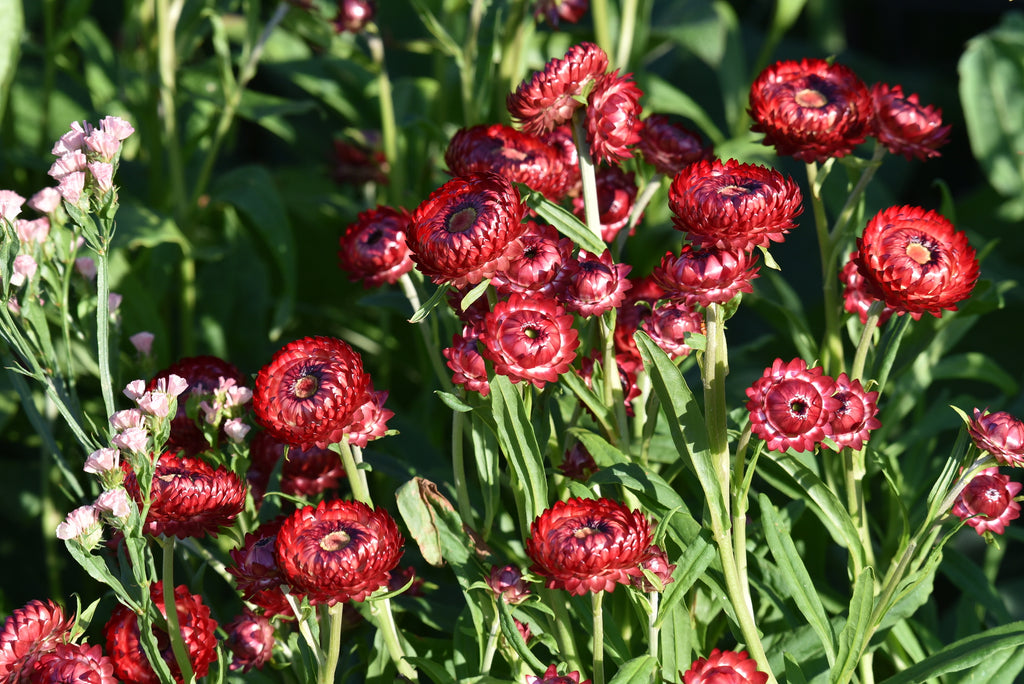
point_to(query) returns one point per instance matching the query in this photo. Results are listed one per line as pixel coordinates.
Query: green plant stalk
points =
(389, 631)
(627, 26)
(103, 319)
(171, 608)
(560, 627)
(867, 336)
(459, 469)
(653, 631)
(356, 475)
(846, 213)
(307, 635)
(430, 343)
(467, 74)
(831, 344)
(596, 601)
(602, 31)
(613, 394)
(492, 643)
(388, 122)
(588, 177)
(325, 673)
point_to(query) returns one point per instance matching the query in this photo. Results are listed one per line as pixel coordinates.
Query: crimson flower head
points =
(466, 363)
(534, 271)
(551, 676)
(669, 146)
(791, 406)
(669, 324)
(188, 497)
(250, 640)
(198, 631)
(529, 339)
(590, 285)
(73, 663)
(917, 261)
(508, 584)
(855, 418)
(338, 551)
(811, 109)
(657, 564)
(309, 392)
(859, 293)
(904, 125)
(706, 275)
(725, 667)
(583, 545)
(255, 570)
(354, 15)
(577, 463)
(548, 99)
(987, 502)
(616, 194)
(1000, 434)
(373, 248)
(370, 421)
(29, 632)
(613, 118)
(733, 205)
(467, 229)
(555, 11)
(359, 162)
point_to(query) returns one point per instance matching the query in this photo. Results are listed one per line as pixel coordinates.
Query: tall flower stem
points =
(492, 643)
(588, 176)
(171, 608)
(325, 675)
(103, 320)
(356, 475)
(430, 342)
(602, 31)
(627, 26)
(831, 344)
(613, 392)
(597, 599)
(389, 631)
(459, 468)
(388, 121)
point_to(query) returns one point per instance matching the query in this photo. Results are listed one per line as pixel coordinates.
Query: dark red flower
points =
(355, 163)
(791, 405)
(370, 421)
(203, 375)
(917, 260)
(554, 11)
(616, 193)
(734, 205)
(338, 551)
(1000, 434)
(524, 631)
(855, 417)
(577, 463)
(706, 275)
(310, 472)
(472, 315)
(583, 545)
(529, 339)
(467, 365)
(904, 125)
(812, 109)
(613, 118)
(467, 229)
(669, 324)
(309, 391)
(198, 632)
(354, 15)
(859, 293)
(508, 584)
(987, 502)
(627, 366)
(517, 155)
(373, 248)
(725, 667)
(73, 664)
(188, 497)
(255, 570)
(28, 632)
(670, 147)
(549, 97)
(657, 564)
(634, 310)
(534, 271)
(590, 285)
(250, 640)
(561, 139)
(551, 676)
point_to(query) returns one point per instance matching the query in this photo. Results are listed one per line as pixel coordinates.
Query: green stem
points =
(867, 336)
(168, 12)
(561, 627)
(459, 469)
(389, 631)
(325, 675)
(467, 74)
(597, 598)
(588, 176)
(103, 322)
(171, 609)
(356, 475)
(388, 122)
(853, 199)
(653, 631)
(627, 26)
(602, 32)
(831, 344)
(492, 643)
(430, 342)
(613, 393)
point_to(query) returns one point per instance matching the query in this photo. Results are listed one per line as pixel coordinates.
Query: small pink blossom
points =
(45, 201)
(24, 268)
(128, 418)
(113, 302)
(229, 392)
(103, 144)
(80, 523)
(116, 126)
(73, 140)
(135, 389)
(209, 412)
(86, 267)
(155, 404)
(103, 174)
(32, 232)
(10, 204)
(71, 187)
(68, 164)
(143, 342)
(132, 439)
(236, 429)
(102, 461)
(172, 384)
(115, 502)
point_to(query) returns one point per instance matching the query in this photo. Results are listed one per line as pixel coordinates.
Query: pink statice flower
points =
(104, 145)
(82, 524)
(103, 175)
(102, 461)
(72, 162)
(135, 389)
(73, 140)
(71, 187)
(156, 404)
(236, 429)
(32, 232)
(143, 342)
(127, 418)
(86, 267)
(24, 268)
(116, 126)
(134, 439)
(172, 384)
(115, 502)
(45, 201)
(10, 204)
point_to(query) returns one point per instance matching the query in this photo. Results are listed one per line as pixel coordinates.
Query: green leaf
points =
(636, 671)
(453, 402)
(516, 438)
(420, 519)
(566, 223)
(975, 366)
(97, 568)
(601, 411)
(801, 585)
(429, 305)
(963, 654)
(854, 637)
(604, 454)
(515, 639)
(689, 567)
(11, 29)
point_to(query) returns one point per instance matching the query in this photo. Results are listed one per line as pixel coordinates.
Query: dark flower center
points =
(462, 220)
(809, 97)
(335, 541)
(374, 236)
(798, 408)
(532, 333)
(306, 386)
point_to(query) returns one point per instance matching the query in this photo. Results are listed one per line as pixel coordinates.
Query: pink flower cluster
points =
(86, 157)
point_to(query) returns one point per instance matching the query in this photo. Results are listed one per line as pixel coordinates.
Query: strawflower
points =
(724, 667)
(987, 502)
(1000, 434)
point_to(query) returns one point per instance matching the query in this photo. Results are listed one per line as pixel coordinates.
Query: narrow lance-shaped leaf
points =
(517, 440)
(855, 635)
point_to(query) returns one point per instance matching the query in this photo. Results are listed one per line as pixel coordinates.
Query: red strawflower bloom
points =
(656, 563)
(354, 15)
(508, 584)
(310, 472)
(310, 390)
(669, 324)
(706, 275)
(549, 97)
(670, 147)
(467, 365)
(73, 664)
(554, 11)
(811, 109)
(188, 497)
(524, 631)
(257, 576)
(198, 631)
(855, 417)
(616, 193)
(338, 551)
(28, 632)
(467, 229)
(635, 309)
(613, 118)
(734, 205)
(561, 139)
(725, 667)
(577, 463)
(905, 126)
(551, 676)
(1000, 434)
(203, 374)
(534, 271)
(373, 248)
(583, 545)
(791, 406)
(251, 641)
(859, 293)
(627, 365)
(517, 155)
(529, 339)
(354, 163)
(917, 261)
(369, 422)
(989, 498)
(590, 285)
